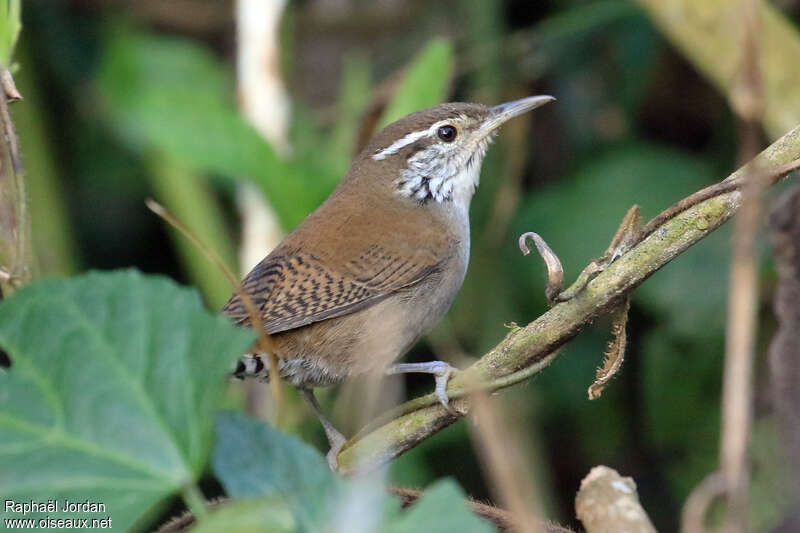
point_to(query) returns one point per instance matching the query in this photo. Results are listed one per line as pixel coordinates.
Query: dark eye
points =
(447, 133)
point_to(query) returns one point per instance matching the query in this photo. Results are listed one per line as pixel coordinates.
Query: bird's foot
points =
(441, 370)
(336, 441)
(442, 377)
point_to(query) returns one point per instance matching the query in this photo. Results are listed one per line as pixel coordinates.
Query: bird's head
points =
(436, 154)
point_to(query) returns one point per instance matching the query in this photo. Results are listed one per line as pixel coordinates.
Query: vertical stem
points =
(740, 335)
(740, 343)
(15, 235)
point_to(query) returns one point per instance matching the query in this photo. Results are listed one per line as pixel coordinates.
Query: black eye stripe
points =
(447, 133)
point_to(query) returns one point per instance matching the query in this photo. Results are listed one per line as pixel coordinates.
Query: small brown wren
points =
(381, 260)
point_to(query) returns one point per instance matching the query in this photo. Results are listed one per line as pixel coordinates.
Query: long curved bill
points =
(500, 114)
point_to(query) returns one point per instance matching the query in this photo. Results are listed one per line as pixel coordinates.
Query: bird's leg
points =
(335, 438)
(440, 369)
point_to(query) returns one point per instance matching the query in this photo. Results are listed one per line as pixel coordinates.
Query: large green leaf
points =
(425, 83)
(110, 396)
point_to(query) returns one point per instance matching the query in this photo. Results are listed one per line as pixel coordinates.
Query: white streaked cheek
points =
(437, 173)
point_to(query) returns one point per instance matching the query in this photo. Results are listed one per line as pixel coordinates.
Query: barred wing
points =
(292, 290)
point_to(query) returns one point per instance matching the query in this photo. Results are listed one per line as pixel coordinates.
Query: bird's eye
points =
(447, 133)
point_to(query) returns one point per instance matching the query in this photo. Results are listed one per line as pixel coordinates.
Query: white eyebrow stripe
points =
(400, 144)
(406, 140)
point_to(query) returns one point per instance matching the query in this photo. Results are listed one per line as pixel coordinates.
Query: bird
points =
(380, 261)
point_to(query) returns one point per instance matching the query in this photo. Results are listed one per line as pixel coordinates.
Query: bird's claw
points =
(337, 443)
(442, 377)
(440, 369)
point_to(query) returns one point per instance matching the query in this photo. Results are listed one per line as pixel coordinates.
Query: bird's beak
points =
(500, 114)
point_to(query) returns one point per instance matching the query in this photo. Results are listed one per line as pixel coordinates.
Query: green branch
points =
(527, 351)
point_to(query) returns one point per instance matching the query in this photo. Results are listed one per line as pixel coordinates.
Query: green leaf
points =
(442, 509)
(249, 516)
(111, 391)
(253, 459)
(425, 83)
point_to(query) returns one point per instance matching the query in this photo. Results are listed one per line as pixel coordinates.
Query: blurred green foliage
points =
(129, 99)
(425, 82)
(254, 460)
(173, 96)
(54, 239)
